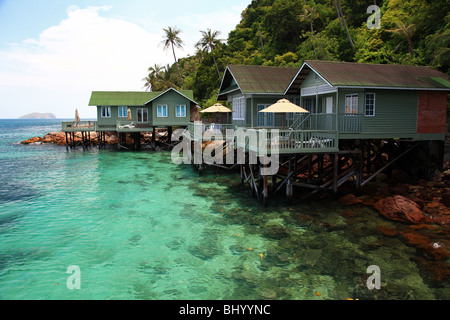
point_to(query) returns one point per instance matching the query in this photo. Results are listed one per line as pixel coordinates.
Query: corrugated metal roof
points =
(379, 75)
(257, 79)
(128, 98)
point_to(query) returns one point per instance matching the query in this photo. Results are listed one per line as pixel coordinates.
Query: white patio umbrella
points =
(77, 116)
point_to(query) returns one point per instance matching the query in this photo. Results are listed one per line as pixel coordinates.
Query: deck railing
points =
(210, 129)
(287, 141)
(75, 126)
(350, 123)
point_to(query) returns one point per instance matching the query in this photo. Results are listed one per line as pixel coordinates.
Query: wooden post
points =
(265, 188)
(289, 183)
(169, 133)
(335, 172)
(359, 173)
(67, 143)
(154, 138)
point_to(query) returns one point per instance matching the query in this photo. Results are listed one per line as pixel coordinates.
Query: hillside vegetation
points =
(287, 32)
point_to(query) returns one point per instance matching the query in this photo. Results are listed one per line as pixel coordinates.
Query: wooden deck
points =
(80, 126)
(267, 141)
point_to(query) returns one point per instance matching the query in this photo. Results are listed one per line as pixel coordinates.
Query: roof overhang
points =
(171, 89)
(305, 69)
(222, 95)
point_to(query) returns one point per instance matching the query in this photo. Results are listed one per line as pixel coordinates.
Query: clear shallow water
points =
(140, 227)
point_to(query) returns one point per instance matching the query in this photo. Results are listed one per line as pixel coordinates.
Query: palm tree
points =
(208, 42)
(173, 40)
(152, 79)
(405, 31)
(310, 14)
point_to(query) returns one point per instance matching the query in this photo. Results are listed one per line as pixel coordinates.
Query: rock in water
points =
(401, 209)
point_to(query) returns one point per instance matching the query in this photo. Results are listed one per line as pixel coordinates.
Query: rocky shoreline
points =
(111, 138)
(422, 213)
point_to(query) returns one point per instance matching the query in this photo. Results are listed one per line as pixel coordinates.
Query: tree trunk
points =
(338, 6)
(215, 63)
(178, 69)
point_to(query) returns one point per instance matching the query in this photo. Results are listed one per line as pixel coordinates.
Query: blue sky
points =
(54, 53)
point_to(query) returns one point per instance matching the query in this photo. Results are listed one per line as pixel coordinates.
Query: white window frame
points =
(372, 113)
(238, 106)
(122, 114)
(182, 113)
(105, 111)
(142, 111)
(161, 114)
(352, 108)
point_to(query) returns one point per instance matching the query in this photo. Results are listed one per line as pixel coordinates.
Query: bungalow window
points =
(265, 119)
(181, 111)
(239, 108)
(162, 111)
(351, 104)
(370, 105)
(106, 112)
(123, 111)
(142, 115)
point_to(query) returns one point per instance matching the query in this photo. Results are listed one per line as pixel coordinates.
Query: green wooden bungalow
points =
(148, 109)
(372, 101)
(134, 112)
(250, 89)
(346, 101)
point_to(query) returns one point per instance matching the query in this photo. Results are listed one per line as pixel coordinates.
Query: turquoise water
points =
(140, 227)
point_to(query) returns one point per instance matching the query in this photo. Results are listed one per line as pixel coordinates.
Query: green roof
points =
(129, 98)
(379, 75)
(256, 79)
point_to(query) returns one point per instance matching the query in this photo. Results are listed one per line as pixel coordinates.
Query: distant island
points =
(37, 115)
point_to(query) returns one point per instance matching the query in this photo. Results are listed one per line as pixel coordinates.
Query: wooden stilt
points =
(169, 133)
(154, 138)
(265, 189)
(335, 172)
(289, 188)
(67, 142)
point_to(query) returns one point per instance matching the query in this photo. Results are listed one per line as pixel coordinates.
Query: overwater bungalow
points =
(354, 110)
(135, 112)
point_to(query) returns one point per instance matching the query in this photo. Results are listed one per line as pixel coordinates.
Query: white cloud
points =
(85, 52)
(88, 51)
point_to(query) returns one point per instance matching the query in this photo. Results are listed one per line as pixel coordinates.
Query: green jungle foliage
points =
(287, 32)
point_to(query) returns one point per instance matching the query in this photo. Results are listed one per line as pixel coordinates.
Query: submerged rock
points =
(400, 209)
(350, 199)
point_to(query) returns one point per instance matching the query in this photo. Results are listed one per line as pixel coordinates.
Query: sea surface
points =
(109, 224)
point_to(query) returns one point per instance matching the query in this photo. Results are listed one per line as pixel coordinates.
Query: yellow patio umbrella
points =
(284, 106)
(217, 108)
(129, 116)
(77, 116)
